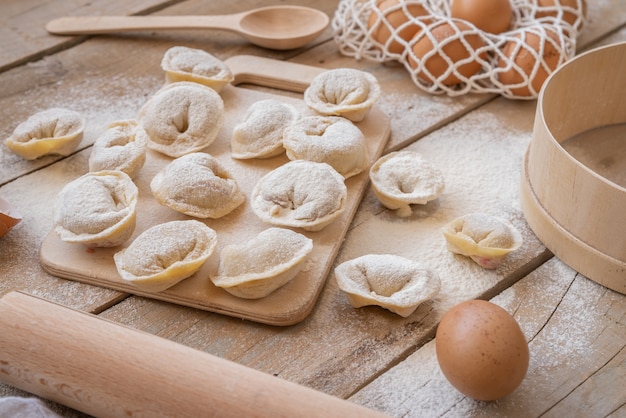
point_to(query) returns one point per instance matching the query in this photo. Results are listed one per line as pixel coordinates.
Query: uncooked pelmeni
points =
(256, 268)
(53, 131)
(182, 63)
(386, 280)
(403, 178)
(197, 185)
(164, 254)
(486, 239)
(260, 134)
(343, 92)
(182, 117)
(97, 209)
(328, 139)
(302, 194)
(121, 147)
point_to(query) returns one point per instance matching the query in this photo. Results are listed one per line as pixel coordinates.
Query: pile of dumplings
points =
(181, 121)
(307, 193)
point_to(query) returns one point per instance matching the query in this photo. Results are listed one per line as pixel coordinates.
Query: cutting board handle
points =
(268, 72)
(108, 370)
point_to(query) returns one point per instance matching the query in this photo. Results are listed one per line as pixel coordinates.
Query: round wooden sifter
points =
(573, 187)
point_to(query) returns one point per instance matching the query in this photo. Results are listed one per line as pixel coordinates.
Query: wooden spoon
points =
(274, 27)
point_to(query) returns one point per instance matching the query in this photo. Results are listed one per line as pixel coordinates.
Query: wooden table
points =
(576, 329)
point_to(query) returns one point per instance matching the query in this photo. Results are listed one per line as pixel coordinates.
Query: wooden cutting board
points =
(289, 304)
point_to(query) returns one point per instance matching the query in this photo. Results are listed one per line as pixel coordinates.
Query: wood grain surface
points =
(576, 328)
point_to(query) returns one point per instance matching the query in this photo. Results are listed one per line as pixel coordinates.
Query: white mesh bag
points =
(447, 55)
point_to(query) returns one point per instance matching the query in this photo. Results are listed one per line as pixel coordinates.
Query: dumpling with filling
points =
(260, 134)
(302, 194)
(182, 63)
(52, 131)
(182, 117)
(386, 280)
(403, 178)
(197, 185)
(484, 238)
(256, 268)
(328, 139)
(97, 209)
(121, 147)
(343, 92)
(165, 254)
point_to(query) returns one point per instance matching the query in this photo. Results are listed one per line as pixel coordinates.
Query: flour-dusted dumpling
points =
(256, 268)
(389, 281)
(197, 185)
(260, 134)
(400, 179)
(182, 117)
(97, 209)
(121, 147)
(181, 63)
(165, 254)
(343, 92)
(302, 194)
(484, 238)
(328, 139)
(53, 131)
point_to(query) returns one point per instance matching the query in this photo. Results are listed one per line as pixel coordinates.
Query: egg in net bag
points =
(448, 55)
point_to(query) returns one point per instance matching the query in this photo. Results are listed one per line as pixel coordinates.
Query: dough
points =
(328, 139)
(343, 92)
(400, 179)
(256, 268)
(182, 117)
(197, 185)
(181, 63)
(484, 238)
(301, 194)
(260, 135)
(97, 209)
(165, 254)
(52, 131)
(121, 147)
(389, 281)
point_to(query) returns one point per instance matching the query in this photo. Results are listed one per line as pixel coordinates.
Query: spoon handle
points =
(86, 25)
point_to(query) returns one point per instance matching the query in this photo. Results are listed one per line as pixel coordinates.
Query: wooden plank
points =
(23, 37)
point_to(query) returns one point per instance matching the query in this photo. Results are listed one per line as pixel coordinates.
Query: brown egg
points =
(553, 11)
(481, 350)
(454, 49)
(525, 57)
(9, 217)
(493, 16)
(396, 18)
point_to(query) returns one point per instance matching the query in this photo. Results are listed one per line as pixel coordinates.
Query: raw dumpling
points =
(343, 92)
(197, 185)
(328, 139)
(389, 281)
(258, 267)
(300, 193)
(182, 117)
(121, 147)
(400, 179)
(181, 63)
(165, 254)
(260, 135)
(52, 131)
(97, 209)
(484, 238)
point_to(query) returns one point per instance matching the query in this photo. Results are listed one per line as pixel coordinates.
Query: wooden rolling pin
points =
(107, 370)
